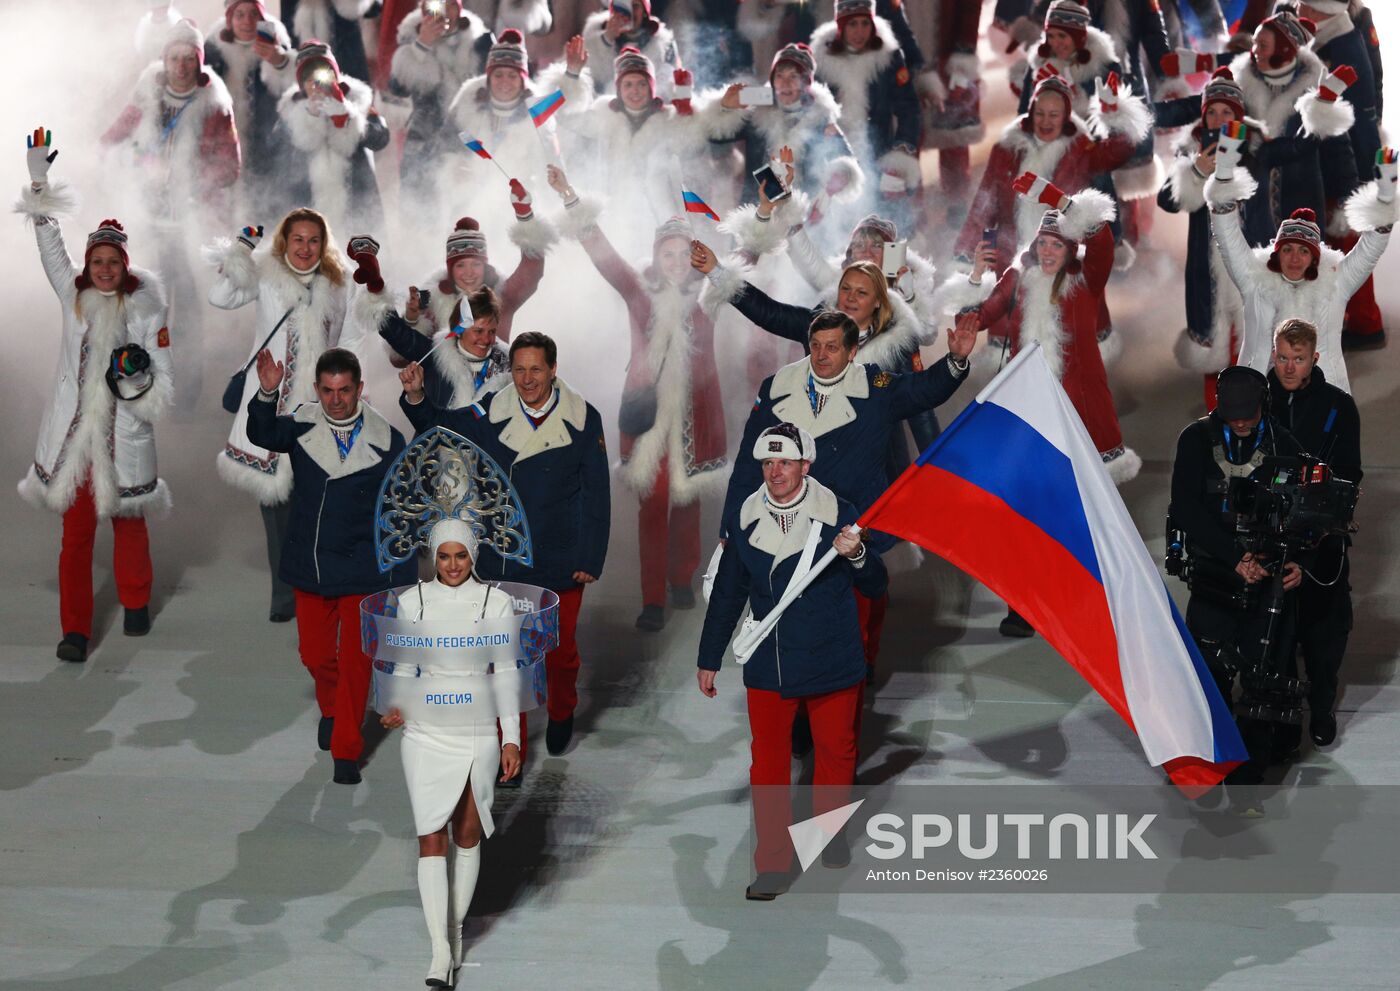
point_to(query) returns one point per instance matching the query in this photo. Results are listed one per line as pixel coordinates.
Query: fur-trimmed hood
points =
(659, 46)
(799, 130)
(1102, 56)
(440, 70)
(1273, 105)
(850, 75)
(242, 61)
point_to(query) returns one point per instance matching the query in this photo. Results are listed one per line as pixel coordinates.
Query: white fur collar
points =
(1040, 316)
(454, 366)
(779, 127)
(850, 76)
(522, 437)
(889, 350)
(1274, 105)
(375, 438)
(818, 505)
(791, 402)
(1102, 56)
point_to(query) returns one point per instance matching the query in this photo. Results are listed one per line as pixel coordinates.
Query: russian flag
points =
(1054, 540)
(474, 146)
(694, 204)
(545, 109)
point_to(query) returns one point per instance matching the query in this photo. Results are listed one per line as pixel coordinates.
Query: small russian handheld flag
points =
(471, 144)
(694, 204)
(546, 108)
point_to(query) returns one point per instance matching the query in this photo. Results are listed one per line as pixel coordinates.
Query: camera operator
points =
(1323, 419)
(1229, 444)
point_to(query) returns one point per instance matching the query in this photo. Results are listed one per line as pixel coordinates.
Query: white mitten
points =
(38, 155)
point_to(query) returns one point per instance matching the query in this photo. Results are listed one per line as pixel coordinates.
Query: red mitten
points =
(1184, 61)
(1335, 83)
(364, 252)
(521, 201)
(680, 93)
(1042, 191)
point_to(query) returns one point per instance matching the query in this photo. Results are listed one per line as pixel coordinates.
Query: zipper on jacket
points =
(777, 652)
(316, 541)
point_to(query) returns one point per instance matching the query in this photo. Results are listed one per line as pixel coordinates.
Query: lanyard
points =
(344, 443)
(812, 395)
(169, 127)
(480, 379)
(1257, 441)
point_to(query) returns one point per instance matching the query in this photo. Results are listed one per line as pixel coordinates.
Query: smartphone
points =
(895, 256)
(423, 295)
(1210, 138)
(770, 183)
(989, 234)
(267, 31)
(756, 96)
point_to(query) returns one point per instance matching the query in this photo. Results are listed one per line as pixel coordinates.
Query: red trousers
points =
(833, 719)
(561, 665)
(328, 634)
(131, 562)
(1210, 379)
(872, 624)
(670, 540)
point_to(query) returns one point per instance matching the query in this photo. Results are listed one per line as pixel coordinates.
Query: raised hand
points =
(702, 259)
(1030, 185)
(1184, 61)
(575, 55)
(558, 181)
(984, 259)
(1106, 91)
(270, 372)
(1335, 83)
(411, 378)
(39, 156)
(730, 100)
(683, 80)
(431, 29)
(1229, 149)
(364, 252)
(1387, 165)
(250, 236)
(521, 201)
(963, 334)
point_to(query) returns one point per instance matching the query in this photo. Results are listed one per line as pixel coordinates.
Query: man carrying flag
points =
(813, 660)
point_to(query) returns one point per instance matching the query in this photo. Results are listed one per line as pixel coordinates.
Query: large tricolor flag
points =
(1054, 540)
(546, 108)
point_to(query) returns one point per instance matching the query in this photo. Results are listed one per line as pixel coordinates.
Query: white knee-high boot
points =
(432, 889)
(466, 865)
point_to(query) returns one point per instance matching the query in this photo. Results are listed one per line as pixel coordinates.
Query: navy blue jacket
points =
(851, 457)
(816, 646)
(330, 544)
(560, 473)
(447, 362)
(1352, 49)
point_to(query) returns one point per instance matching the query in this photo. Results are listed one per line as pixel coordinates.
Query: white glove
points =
(1228, 152)
(38, 155)
(250, 236)
(1386, 172)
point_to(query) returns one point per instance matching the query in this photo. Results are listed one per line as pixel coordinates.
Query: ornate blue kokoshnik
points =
(441, 474)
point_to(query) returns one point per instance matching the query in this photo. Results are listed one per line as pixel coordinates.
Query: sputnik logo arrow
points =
(810, 836)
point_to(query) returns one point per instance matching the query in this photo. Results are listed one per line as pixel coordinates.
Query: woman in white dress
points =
(440, 765)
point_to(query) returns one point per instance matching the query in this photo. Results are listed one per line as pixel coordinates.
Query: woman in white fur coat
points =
(329, 131)
(96, 456)
(1298, 275)
(677, 459)
(451, 776)
(437, 53)
(302, 291)
(629, 24)
(494, 108)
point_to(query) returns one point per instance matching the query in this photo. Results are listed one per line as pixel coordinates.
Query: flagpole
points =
(463, 138)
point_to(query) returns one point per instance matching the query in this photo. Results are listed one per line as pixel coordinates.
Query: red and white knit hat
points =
(466, 241)
(314, 55)
(797, 55)
(509, 53)
(1300, 228)
(1291, 33)
(846, 9)
(629, 61)
(1222, 88)
(185, 32)
(1070, 17)
(874, 222)
(1051, 222)
(110, 232)
(231, 5)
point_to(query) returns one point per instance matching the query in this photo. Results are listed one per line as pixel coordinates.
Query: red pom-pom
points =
(1304, 213)
(113, 223)
(1309, 24)
(510, 36)
(467, 224)
(1223, 73)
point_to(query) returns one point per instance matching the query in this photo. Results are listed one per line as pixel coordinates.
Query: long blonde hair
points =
(331, 265)
(884, 310)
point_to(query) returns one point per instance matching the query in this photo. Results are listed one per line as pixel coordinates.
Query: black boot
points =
(73, 647)
(347, 772)
(323, 732)
(1323, 728)
(767, 886)
(1015, 626)
(652, 619)
(558, 734)
(137, 622)
(682, 597)
(280, 617)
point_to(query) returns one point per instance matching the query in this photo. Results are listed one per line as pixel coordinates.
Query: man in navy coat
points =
(340, 450)
(550, 443)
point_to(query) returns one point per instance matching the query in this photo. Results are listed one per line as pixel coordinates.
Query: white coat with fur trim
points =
(1102, 58)
(331, 151)
(660, 48)
(86, 431)
(241, 63)
(1272, 104)
(436, 72)
(511, 138)
(316, 321)
(1269, 298)
(799, 131)
(850, 75)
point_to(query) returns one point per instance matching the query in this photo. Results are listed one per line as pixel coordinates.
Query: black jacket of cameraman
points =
(1196, 505)
(1323, 419)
